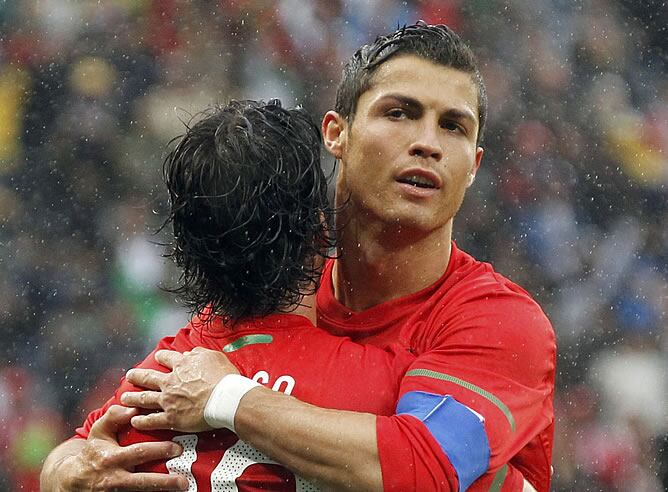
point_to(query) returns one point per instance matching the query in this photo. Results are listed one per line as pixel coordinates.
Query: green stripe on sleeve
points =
(472, 387)
(499, 478)
(247, 340)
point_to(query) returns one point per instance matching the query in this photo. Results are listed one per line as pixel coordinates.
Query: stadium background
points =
(570, 202)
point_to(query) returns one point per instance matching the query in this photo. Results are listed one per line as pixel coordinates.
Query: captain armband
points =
(459, 431)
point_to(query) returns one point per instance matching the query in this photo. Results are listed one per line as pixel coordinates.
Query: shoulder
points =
(476, 288)
(469, 277)
(483, 307)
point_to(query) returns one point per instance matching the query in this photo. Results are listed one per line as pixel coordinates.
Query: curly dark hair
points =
(437, 43)
(249, 209)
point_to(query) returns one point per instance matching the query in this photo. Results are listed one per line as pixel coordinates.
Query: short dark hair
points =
(249, 209)
(437, 43)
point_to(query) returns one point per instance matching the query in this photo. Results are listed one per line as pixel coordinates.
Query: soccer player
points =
(252, 226)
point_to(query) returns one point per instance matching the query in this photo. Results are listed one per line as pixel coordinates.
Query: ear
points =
(333, 133)
(478, 158)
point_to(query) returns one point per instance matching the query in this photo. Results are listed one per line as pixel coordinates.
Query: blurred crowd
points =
(571, 201)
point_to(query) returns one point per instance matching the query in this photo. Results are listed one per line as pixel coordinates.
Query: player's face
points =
(410, 152)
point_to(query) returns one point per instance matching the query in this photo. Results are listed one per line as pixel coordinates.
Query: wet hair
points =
(249, 209)
(436, 43)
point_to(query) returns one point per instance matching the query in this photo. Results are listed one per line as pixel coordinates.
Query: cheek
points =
(461, 159)
(386, 150)
(458, 168)
(462, 175)
(381, 137)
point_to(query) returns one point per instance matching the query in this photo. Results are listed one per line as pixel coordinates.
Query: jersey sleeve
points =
(480, 391)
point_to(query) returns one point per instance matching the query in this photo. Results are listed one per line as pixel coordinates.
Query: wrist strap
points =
(224, 400)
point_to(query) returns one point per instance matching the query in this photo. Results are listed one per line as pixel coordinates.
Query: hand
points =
(103, 464)
(182, 394)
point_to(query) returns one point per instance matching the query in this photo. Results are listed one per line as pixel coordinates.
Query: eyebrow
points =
(406, 101)
(412, 103)
(459, 115)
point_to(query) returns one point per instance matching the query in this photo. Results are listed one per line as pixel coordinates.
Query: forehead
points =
(430, 83)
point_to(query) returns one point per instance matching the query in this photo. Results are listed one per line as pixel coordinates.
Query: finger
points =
(142, 399)
(146, 378)
(143, 452)
(151, 481)
(168, 358)
(152, 421)
(113, 419)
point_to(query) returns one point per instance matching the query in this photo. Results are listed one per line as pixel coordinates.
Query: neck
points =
(378, 264)
(307, 308)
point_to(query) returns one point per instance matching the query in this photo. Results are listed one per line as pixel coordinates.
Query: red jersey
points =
(482, 345)
(286, 353)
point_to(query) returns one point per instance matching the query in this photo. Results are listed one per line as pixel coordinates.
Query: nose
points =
(426, 145)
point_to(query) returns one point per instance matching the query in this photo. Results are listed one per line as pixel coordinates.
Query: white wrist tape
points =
(224, 400)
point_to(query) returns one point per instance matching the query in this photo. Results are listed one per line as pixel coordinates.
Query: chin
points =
(406, 216)
(415, 223)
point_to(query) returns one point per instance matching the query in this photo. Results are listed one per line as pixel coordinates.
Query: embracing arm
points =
(340, 448)
(99, 463)
(50, 479)
(335, 447)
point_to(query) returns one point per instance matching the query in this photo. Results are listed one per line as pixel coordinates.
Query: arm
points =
(99, 463)
(340, 448)
(50, 478)
(336, 448)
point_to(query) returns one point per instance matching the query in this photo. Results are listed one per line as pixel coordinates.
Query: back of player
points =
(279, 352)
(251, 224)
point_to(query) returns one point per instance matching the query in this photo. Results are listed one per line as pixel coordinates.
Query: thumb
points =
(107, 426)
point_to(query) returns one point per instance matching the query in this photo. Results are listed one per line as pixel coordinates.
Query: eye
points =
(452, 126)
(396, 113)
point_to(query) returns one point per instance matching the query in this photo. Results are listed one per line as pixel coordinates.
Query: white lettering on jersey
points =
(236, 460)
(263, 378)
(182, 465)
(289, 384)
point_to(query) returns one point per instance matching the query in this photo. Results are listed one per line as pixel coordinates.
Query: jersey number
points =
(237, 458)
(235, 461)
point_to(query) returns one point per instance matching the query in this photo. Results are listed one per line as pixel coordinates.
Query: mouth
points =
(418, 182)
(420, 178)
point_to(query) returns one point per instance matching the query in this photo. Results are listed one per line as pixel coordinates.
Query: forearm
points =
(334, 448)
(50, 478)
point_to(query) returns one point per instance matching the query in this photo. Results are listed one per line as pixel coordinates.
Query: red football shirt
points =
(286, 353)
(480, 339)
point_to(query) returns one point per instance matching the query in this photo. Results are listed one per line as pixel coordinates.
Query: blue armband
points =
(458, 430)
